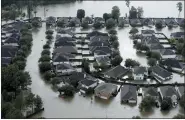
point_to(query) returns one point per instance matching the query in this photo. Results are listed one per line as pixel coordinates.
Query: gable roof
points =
(167, 52)
(67, 49)
(172, 63)
(65, 31)
(87, 82)
(168, 91)
(116, 72)
(178, 34)
(170, 21)
(75, 19)
(64, 66)
(181, 90)
(180, 21)
(89, 19)
(139, 70)
(103, 59)
(64, 43)
(60, 58)
(161, 72)
(11, 40)
(147, 21)
(157, 46)
(107, 88)
(8, 51)
(5, 61)
(99, 43)
(51, 19)
(99, 38)
(94, 33)
(128, 92)
(104, 49)
(99, 52)
(65, 39)
(151, 91)
(96, 19)
(147, 31)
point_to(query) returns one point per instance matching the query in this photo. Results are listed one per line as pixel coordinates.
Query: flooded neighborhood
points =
(93, 59)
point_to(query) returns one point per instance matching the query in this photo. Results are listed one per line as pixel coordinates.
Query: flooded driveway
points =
(79, 106)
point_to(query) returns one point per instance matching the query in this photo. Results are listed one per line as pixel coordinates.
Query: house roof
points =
(87, 82)
(51, 19)
(60, 58)
(6, 61)
(150, 39)
(103, 59)
(135, 21)
(139, 70)
(64, 66)
(181, 90)
(116, 72)
(67, 49)
(167, 52)
(147, 31)
(8, 51)
(170, 21)
(178, 34)
(75, 19)
(99, 19)
(64, 43)
(128, 92)
(151, 91)
(157, 46)
(107, 88)
(161, 72)
(180, 20)
(99, 43)
(65, 39)
(77, 76)
(104, 49)
(64, 19)
(168, 91)
(94, 33)
(172, 63)
(147, 21)
(99, 52)
(99, 38)
(89, 19)
(65, 31)
(11, 40)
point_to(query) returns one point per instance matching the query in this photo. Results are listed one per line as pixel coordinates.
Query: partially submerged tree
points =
(80, 14)
(152, 62)
(44, 66)
(106, 16)
(166, 104)
(133, 31)
(110, 23)
(115, 12)
(67, 90)
(179, 6)
(112, 32)
(131, 63)
(116, 60)
(147, 104)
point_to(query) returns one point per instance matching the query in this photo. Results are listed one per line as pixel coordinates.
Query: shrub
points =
(46, 46)
(45, 58)
(49, 32)
(45, 52)
(47, 75)
(44, 66)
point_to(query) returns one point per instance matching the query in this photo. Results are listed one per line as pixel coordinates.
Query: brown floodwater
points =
(82, 107)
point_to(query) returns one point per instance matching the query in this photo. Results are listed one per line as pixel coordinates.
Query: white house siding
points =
(138, 77)
(168, 56)
(65, 71)
(126, 25)
(56, 63)
(132, 101)
(147, 35)
(12, 44)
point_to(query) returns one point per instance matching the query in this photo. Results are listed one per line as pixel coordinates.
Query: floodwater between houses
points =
(79, 106)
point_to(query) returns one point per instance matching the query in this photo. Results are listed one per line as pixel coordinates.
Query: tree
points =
(80, 14)
(60, 23)
(95, 65)
(35, 23)
(115, 44)
(146, 104)
(44, 66)
(55, 81)
(85, 65)
(45, 52)
(49, 37)
(116, 60)
(46, 46)
(155, 55)
(48, 75)
(182, 102)
(97, 25)
(106, 16)
(121, 24)
(84, 24)
(38, 102)
(131, 63)
(140, 12)
(14, 114)
(110, 23)
(115, 12)
(5, 109)
(133, 31)
(158, 25)
(113, 38)
(45, 58)
(152, 62)
(67, 89)
(18, 58)
(128, 4)
(115, 53)
(21, 64)
(179, 6)
(72, 24)
(133, 13)
(166, 104)
(29, 100)
(112, 32)
(179, 116)
(49, 32)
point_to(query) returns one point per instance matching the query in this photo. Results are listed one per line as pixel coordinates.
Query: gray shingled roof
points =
(128, 92)
(104, 49)
(161, 71)
(151, 91)
(139, 70)
(8, 51)
(172, 63)
(64, 66)
(87, 82)
(147, 31)
(117, 71)
(67, 49)
(103, 59)
(60, 58)
(167, 52)
(106, 88)
(168, 91)
(181, 90)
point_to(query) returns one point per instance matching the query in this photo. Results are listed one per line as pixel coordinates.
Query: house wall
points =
(64, 72)
(132, 101)
(138, 77)
(12, 44)
(145, 35)
(168, 56)
(95, 55)
(56, 63)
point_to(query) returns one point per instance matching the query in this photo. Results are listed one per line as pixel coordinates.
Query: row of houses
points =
(10, 41)
(174, 22)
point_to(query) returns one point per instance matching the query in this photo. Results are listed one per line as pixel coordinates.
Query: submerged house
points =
(171, 22)
(136, 22)
(76, 21)
(160, 20)
(139, 73)
(64, 69)
(129, 94)
(167, 53)
(172, 64)
(161, 74)
(64, 20)
(89, 20)
(147, 33)
(147, 22)
(177, 35)
(105, 90)
(169, 92)
(180, 21)
(100, 20)
(115, 73)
